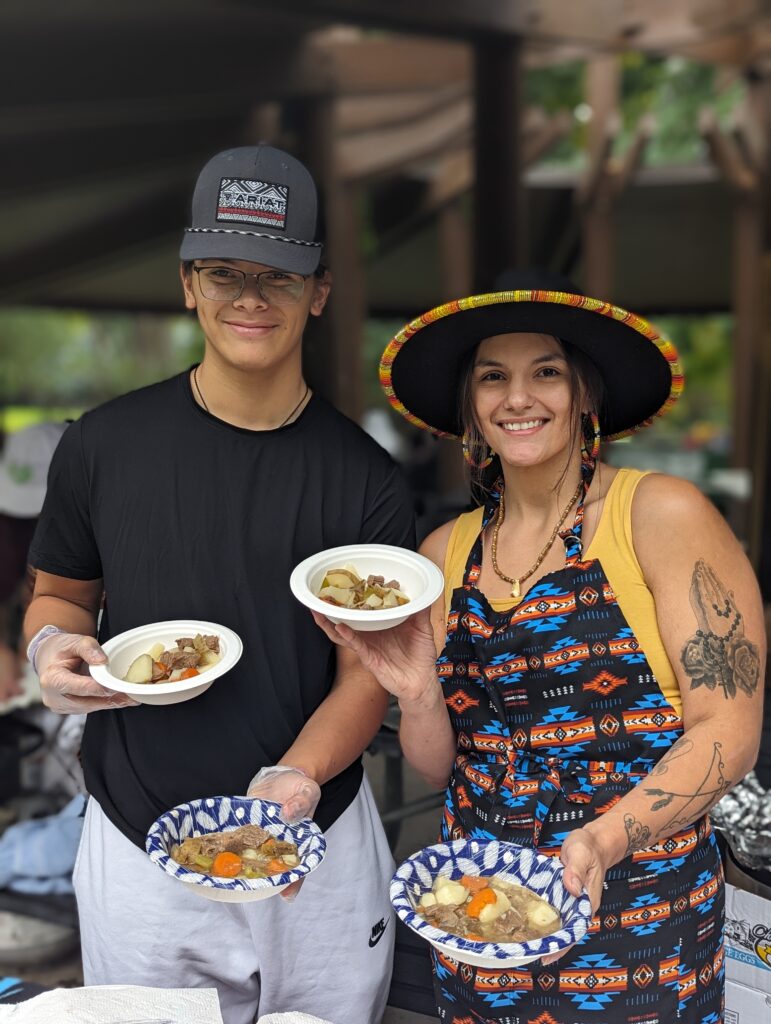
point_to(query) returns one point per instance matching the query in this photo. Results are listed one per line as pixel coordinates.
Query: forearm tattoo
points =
(638, 836)
(712, 787)
(719, 654)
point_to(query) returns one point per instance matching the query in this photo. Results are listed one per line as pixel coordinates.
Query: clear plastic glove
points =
(297, 793)
(66, 687)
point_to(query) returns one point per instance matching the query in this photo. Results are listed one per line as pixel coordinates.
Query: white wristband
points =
(37, 640)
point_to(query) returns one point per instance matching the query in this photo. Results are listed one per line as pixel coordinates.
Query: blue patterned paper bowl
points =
(221, 814)
(515, 864)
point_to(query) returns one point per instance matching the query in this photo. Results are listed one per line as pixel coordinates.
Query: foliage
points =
(65, 358)
(671, 89)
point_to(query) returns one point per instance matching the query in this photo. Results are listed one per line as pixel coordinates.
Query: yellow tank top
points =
(611, 545)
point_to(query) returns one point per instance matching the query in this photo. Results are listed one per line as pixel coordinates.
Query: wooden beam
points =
(368, 154)
(92, 243)
(462, 18)
(499, 232)
(726, 154)
(370, 112)
(394, 65)
(632, 159)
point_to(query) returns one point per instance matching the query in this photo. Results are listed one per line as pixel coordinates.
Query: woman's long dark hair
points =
(584, 377)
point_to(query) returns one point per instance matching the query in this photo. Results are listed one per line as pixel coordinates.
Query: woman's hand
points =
(402, 658)
(585, 870)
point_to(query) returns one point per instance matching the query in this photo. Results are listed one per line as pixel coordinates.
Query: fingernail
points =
(291, 897)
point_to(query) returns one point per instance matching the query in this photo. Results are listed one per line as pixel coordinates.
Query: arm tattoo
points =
(678, 749)
(719, 654)
(713, 786)
(638, 836)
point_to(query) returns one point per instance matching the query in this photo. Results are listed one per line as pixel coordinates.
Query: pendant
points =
(515, 589)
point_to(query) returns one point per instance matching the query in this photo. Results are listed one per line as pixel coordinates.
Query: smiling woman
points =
(576, 705)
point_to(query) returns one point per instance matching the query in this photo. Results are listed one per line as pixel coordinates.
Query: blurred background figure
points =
(24, 463)
(39, 770)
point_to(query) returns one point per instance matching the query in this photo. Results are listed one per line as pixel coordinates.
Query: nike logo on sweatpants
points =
(378, 931)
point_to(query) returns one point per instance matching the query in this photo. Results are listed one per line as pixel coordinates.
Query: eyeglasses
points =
(226, 284)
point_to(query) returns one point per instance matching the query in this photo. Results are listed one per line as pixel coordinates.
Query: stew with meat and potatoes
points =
(190, 656)
(344, 588)
(488, 910)
(245, 852)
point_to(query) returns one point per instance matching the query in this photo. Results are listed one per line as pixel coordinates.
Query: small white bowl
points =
(419, 578)
(123, 648)
(222, 814)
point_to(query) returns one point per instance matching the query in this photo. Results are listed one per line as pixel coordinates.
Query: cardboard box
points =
(746, 1006)
(748, 941)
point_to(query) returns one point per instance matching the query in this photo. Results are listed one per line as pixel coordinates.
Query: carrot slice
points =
(479, 901)
(189, 673)
(226, 864)
(474, 937)
(473, 882)
(276, 867)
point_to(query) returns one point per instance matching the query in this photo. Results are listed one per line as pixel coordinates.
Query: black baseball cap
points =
(255, 203)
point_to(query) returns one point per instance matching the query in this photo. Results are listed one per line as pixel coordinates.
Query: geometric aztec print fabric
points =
(558, 715)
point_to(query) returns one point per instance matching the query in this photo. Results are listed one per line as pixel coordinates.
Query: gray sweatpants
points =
(328, 953)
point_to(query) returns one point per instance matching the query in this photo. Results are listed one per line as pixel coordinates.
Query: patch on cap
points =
(253, 202)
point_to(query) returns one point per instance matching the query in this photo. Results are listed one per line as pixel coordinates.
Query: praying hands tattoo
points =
(719, 654)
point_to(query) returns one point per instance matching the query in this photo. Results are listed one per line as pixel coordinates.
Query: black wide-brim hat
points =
(421, 367)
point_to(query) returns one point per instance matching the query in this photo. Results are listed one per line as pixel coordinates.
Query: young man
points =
(195, 498)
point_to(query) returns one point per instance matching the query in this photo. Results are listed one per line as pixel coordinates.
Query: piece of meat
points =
(445, 917)
(180, 659)
(236, 841)
(509, 927)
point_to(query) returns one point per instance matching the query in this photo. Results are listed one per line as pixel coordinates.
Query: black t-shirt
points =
(185, 516)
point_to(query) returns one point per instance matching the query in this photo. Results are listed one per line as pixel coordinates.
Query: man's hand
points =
(66, 687)
(295, 791)
(292, 788)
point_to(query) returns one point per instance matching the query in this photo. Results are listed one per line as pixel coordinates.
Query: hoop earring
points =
(590, 436)
(468, 456)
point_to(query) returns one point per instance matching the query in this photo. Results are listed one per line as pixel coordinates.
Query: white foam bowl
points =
(123, 648)
(420, 580)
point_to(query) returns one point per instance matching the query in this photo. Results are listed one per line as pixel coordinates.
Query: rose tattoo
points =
(719, 654)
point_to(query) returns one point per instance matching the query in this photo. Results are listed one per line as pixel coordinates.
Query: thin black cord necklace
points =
(283, 423)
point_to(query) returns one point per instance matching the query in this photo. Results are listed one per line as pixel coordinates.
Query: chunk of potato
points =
(156, 651)
(340, 578)
(450, 894)
(140, 670)
(543, 914)
(427, 900)
(493, 910)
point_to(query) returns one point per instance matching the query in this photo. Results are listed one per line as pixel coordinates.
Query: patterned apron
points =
(558, 715)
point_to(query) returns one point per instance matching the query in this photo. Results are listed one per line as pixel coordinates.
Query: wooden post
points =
(745, 183)
(760, 510)
(498, 194)
(596, 195)
(333, 354)
(455, 259)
